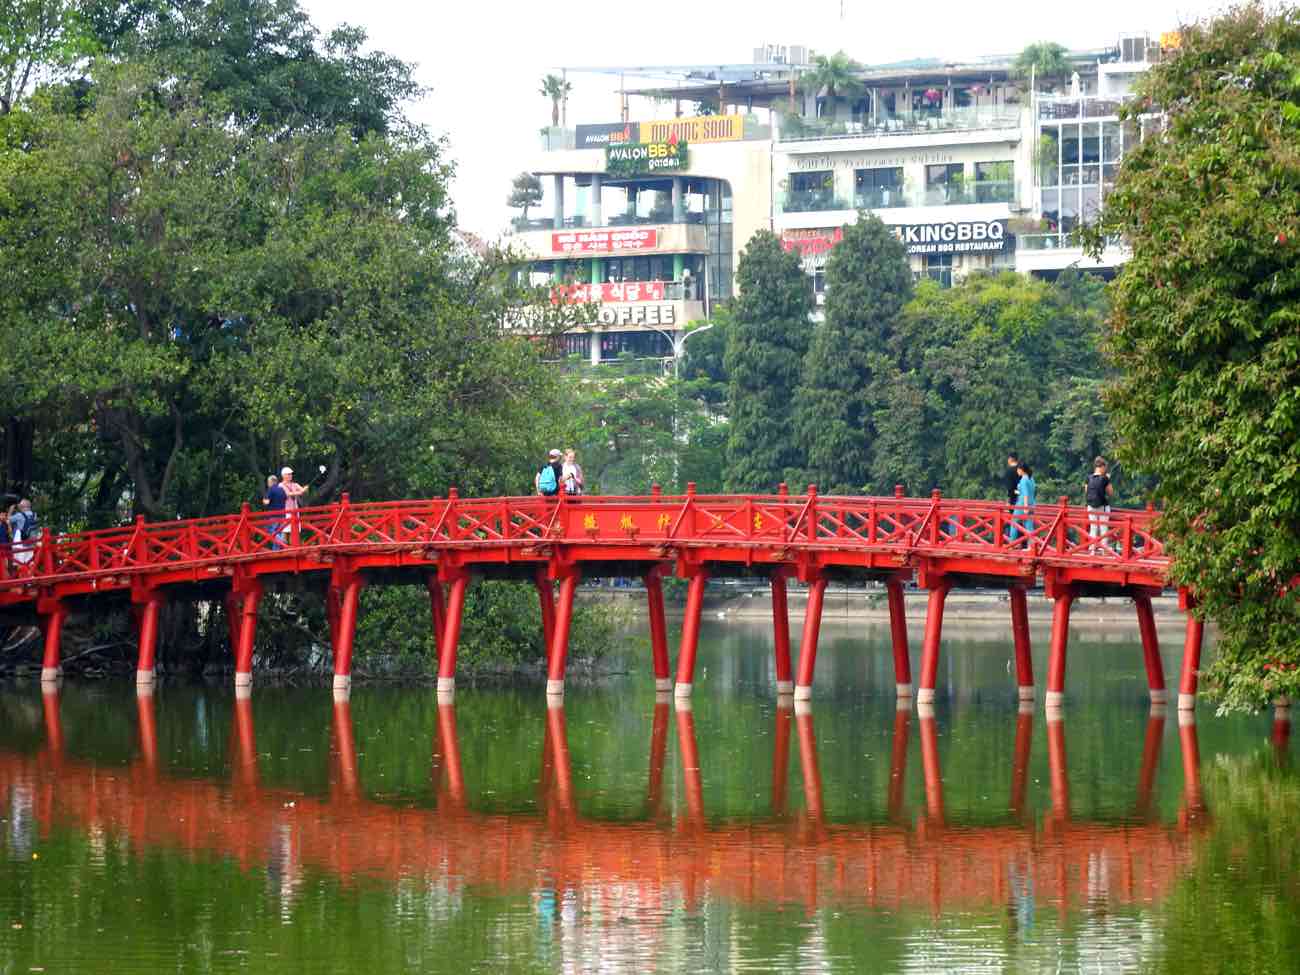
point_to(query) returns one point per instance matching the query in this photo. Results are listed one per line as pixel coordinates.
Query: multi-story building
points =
(974, 167)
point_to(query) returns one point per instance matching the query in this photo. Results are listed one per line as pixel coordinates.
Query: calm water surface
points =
(191, 831)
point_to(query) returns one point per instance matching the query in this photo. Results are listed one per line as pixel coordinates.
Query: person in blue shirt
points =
(1026, 497)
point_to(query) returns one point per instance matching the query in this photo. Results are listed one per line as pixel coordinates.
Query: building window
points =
(945, 184)
(995, 182)
(938, 267)
(811, 191)
(878, 189)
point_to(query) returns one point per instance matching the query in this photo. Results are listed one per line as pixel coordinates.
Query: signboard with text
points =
(639, 158)
(604, 241)
(644, 314)
(955, 237)
(816, 242)
(632, 291)
(603, 134)
(696, 128)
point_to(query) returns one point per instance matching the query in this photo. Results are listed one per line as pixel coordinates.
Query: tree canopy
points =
(1042, 59)
(1206, 332)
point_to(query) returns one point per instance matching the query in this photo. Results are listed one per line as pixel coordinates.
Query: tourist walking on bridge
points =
(1011, 483)
(572, 474)
(1097, 493)
(549, 477)
(292, 492)
(24, 530)
(275, 501)
(1026, 498)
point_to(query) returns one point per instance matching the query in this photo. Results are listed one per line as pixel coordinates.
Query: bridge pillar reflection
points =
(1063, 599)
(1020, 758)
(898, 634)
(1281, 725)
(809, 765)
(243, 759)
(781, 755)
(1194, 637)
(654, 594)
(930, 766)
(690, 633)
(1150, 759)
(148, 730)
(781, 634)
(1150, 647)
(812, 624)
(343, 752)
(690, 754)
(898, 758)
(446, 757)
(658, 752)
(1024, 650)
(53, 614)
(930, 645)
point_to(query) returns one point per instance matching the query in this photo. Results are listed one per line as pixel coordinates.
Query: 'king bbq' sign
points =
(646, 157)
(965, 237)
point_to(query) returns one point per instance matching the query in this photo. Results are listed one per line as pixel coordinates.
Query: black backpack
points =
(1097, 490)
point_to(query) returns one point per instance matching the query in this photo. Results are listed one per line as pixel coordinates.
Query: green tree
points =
(766, 342)
(525, 192)
(867, 283)
(832, 79)
(1044, 60)
(557, 90)
(1206, 332)
(40, 41)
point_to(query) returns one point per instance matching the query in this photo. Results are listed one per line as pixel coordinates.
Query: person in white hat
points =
(292, 492)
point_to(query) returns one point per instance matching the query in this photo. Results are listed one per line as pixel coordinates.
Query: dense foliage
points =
(766, 344)
(1206, 330)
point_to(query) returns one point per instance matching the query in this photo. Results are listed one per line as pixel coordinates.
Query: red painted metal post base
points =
(437, 611)
(930, 645)
(348, 585)
(654, 592)
(1064, 599)
(898, 633)
(690, 634)
(812, 624)
(781, 636)
(53, 615)
(150, 606)
(558, 657)
(1195, 636)
(451, 638)
(250, 596)
(1024, 651)
(1150, 648)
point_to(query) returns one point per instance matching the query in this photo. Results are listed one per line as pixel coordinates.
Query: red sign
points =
(578, 294)
(811, 243)
(604, 241)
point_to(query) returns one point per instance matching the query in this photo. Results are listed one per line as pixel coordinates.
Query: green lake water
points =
(193, 832)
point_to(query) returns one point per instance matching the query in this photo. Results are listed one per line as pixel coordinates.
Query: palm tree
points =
(1044, 59)
(557, 90)
(832, 78)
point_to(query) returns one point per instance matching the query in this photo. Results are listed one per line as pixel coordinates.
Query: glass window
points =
(945, 183)
(995, 182)
(938, 267)
(878, 188)
(810, 191)
(1049, 156)
(1091, 143)
(1070, 145)
(1052, 209)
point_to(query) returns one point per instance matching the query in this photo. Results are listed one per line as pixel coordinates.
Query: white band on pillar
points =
(50, 674)
(555, 688)
(903, 690)
(1025, 692)
(144, 677)
(1055, 699)
(802, 705)
(925, 709)
(1186, 702)
(243, 678)
(342, 682)
(682, 690)
(446, 685)
(784, 688)
(803, 692)
(1159, 695)
(663, 684)
(1186, 717)
(243, 691)
(925, 695)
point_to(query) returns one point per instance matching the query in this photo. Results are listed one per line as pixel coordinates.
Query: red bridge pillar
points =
(546, 602)
(812, 625)
(249, 596)
(1150, 648)
(930, 646)
(346, 585)
(450, 642)
(898, 631)
(558, 653)
(1024, 651)
(53, 614)
(781, 634)
(150, 605)
(1064, 599)
(437, 611)
(654, 593)
(690, 633)
(1192, 641)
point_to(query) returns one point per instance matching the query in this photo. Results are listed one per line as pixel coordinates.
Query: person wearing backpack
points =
(547, 481)
(24, 530)
(1097, 491)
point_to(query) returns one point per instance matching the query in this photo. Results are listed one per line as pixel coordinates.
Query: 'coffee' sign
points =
(953, 237)
(604, 241)
(637, 315)
(646, 157)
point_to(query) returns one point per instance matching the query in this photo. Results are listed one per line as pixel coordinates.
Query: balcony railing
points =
(881, 198)
(797, 128)
(1066, 107)
(1058, 241)
(520, 225)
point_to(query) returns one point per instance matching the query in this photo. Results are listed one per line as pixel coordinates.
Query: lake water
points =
(194, 832)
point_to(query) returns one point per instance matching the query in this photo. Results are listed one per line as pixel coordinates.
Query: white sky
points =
(484, 59)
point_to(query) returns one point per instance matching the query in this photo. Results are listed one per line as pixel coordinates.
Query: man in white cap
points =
(548, 477)
(292, 492)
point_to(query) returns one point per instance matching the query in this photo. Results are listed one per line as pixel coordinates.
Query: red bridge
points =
(939, 543)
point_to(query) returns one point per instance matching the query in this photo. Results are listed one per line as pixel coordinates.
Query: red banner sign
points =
(577, 294)
(604, 241)
(811, 243)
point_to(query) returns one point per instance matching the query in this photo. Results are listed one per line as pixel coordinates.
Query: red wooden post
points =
(781, 635)
(1020, 634)
(930, 645)
(656, 491)
(808, 764)
(654, 592)
(1064, 598)
(812, 623)
(781, 756)
(349, 602)
(252, 596)
(811, 527)
(437, 610)
(1281, 724)
(936, 498)
(1150, 648)
(54, 613)
(150, 608)
(1062, 526)
(233, 599)
(899, 491)
(690, 634)
(931, 768)
(898, 631)
(1192, 641)
(546, 599)
(559, 653)
(451, 636)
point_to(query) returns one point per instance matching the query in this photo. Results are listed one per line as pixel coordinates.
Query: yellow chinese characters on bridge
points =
(626, 523)
(589, 523)
(758, 523)
(664, 521)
